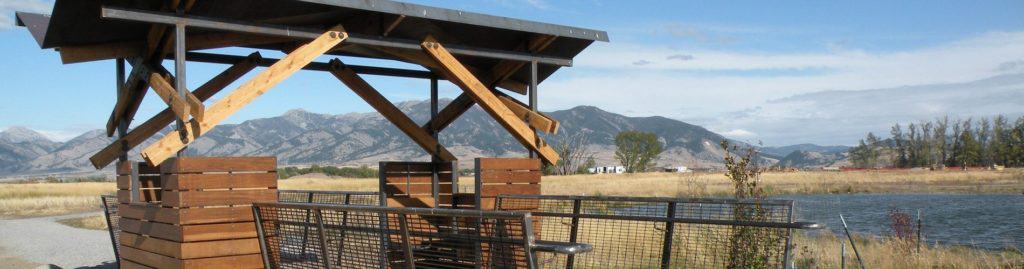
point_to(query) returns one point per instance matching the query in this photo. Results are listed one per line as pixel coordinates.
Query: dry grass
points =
(704, 184)
(824, 251)
(97, 222)
(43, 199)
(324, 183)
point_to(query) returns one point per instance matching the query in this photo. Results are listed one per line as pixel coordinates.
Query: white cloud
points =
(709, 88)
(8, 7)
(738, 134)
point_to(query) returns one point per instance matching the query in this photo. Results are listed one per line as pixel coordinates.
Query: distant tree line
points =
(943, 142)
(351, 172)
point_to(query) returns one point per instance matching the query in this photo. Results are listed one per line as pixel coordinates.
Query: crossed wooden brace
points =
(511, 114)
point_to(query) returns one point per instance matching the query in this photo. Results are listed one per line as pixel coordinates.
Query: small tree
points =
(749, 247)
(637, 151)
(574, 152)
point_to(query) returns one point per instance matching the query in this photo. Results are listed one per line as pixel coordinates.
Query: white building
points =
(607, 170)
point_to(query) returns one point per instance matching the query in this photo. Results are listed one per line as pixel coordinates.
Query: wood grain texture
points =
(169, 95)
(191, 250)
(495, 190)
(147, 196)
(245, 94)
(484, 164)
(219, 181)
(159, 261)
(125, 169)
(189, 233)
(186, 216)
(219, 164)
(509, 177)
(217, 198)
(458, 74)
(146, 182)
(153, 126)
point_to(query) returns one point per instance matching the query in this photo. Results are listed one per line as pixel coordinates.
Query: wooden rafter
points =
(168, 145)
(458, 74)
(129, 98)
(389, 111)
(129, 49)
(392, 25)
(153, 126)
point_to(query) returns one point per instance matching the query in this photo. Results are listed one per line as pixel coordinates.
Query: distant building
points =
(607, 170)
(677, 169)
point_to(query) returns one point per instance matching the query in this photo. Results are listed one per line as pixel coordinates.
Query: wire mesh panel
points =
(329, 197)
(644, 232)
(297, 235)
(112, 217)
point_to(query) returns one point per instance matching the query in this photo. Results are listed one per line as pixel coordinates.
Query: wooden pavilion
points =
(490, 58)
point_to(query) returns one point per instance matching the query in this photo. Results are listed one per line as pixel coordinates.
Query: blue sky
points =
(703, 62)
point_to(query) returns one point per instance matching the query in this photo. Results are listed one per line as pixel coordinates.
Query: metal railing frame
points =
(670, 218)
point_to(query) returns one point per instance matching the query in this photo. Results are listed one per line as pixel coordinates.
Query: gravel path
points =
(44, 241)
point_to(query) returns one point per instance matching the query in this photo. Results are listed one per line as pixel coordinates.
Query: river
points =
(988, 221)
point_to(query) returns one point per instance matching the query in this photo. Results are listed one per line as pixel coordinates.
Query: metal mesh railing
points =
(646, 232)
(329, 197)
(340, 236)
(113, 220)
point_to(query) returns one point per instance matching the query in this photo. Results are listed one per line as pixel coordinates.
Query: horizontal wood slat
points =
(219, 181)
(508, 164)
(402, 167)
(418, 179)
(494, 190)
(217, 198)
(147, 195)
(146, 182)
(191, 250)
(159, 261)
(190, 233)
(402, 189)
(185, 216)
(126, 264)
(219, 164)
(493, 176)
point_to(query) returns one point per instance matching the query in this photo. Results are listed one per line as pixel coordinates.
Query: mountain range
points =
(299, 137)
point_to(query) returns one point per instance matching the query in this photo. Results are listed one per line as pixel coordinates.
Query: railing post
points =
(789, 237)
(323, 239)
(344, 227)
(573, 231)
(531, 256)
(305, 228)
(110, 230)
(403, 225)
(261, 235)
(666, 250)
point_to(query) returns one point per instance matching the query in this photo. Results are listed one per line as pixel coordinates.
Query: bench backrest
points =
(647, 232)
(411, 184)
(380, 237)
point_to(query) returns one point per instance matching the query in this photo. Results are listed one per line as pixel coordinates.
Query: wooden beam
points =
(106, 51)
(153, 126)
(129, 98)
(245, 94)
(391, 27)
(458, 74)
(170, 96)
(505, 68)
(534, 119)
(389, 111)
(418, 57)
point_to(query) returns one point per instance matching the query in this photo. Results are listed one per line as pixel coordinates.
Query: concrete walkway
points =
(42, 240)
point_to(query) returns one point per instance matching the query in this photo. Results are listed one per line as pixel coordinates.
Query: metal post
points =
(670, 227)
(852, 244)
(262, 235)
(122, 125)
(305, 229)
(533, 101)
(403, 224)
(918, 231)
(323, 239)
(434, 160)
(573, 231)
(136, 186)
(531, 255)
(110, 230)
(344, 227)
(842, 255)
(179, 72)
(789, 238)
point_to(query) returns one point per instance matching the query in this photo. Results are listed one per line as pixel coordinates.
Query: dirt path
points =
(36, 241)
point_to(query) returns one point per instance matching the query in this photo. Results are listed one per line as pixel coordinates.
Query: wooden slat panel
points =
(401, 167)
(508, 164)
(190, 233)
(126, 264)
(191, 250)
(146, 182)
(219, 164)
(171, 143)
(217, 198)
(159, 261)
(125, 168)
(497, 176)
(417, 179)
(185, 216)
(147, 195)
(494, 190)
(219, 181)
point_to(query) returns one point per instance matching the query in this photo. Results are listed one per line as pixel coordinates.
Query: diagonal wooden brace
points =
(168, 145)
(389, 111)
(458, 74)
(152, 126)
(181, 107)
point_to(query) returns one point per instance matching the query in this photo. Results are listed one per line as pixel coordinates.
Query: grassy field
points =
(823, 251)
(96, 222)
(41, 199)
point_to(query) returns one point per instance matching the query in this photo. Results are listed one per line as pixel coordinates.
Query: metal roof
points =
(80, 22)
